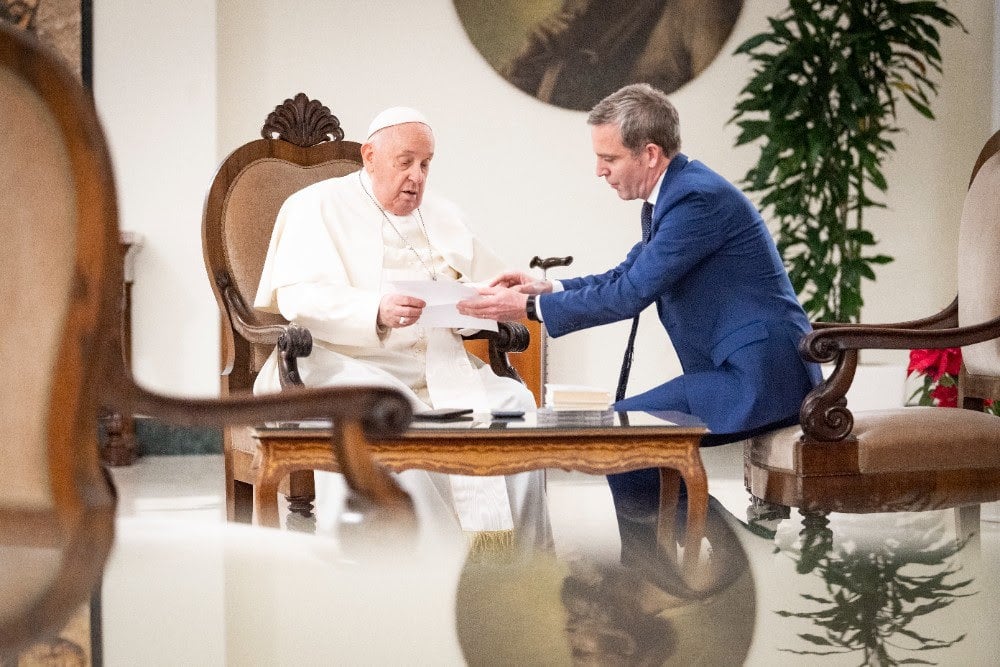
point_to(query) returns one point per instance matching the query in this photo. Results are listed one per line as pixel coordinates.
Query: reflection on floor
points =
(183, 588)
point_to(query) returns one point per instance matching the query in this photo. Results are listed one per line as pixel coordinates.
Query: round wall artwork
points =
(572, 53)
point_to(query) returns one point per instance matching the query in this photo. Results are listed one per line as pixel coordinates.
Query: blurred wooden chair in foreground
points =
(61, 275)
(302, 144)
(912, 458)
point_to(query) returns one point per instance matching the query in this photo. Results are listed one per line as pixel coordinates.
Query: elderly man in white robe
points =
(336, 248)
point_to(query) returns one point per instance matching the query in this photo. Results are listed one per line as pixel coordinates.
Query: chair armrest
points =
(293, 341)
(382, 412)
(510, 337)
(358, 414)
(824, 415)
(826, 345)
(948, 317)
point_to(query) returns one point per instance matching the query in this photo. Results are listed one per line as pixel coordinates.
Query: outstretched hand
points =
(525, 283)
(496, 303)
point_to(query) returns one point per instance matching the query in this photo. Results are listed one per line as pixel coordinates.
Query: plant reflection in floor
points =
(876, 592)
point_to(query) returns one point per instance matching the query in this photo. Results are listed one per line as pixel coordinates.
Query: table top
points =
(537, 424)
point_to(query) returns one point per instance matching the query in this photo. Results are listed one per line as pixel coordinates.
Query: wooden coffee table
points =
(482, 446)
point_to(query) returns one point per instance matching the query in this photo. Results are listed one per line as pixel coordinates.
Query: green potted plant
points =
(822, 101)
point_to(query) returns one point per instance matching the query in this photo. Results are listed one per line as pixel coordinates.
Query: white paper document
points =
(441, 297)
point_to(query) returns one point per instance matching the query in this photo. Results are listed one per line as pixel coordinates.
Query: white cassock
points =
(331, 257)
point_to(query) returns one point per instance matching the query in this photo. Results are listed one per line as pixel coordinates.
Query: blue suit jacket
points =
(723, 297)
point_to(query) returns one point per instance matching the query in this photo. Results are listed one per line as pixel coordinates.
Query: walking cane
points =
(545, 265)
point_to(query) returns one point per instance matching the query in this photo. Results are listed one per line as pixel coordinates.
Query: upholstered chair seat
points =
(885, 441)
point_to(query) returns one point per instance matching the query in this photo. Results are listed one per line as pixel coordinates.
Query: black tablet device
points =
(443, 413)
(507, 414)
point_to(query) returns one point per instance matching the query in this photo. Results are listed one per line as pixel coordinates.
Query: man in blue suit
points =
(711, 267)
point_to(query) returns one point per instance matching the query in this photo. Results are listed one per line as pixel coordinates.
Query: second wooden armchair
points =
(912, 458)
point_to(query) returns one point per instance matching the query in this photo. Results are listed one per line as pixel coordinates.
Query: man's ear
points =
(653, 153)
(367, 150)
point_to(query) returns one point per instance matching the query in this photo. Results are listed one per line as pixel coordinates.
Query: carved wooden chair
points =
(56, 507)
(302, 144)
(911, 458)
(62, 275)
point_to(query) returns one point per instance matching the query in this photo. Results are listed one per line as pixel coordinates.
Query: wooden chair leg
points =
(816, 539)
(242, 502)
(967, 518)
(765, 510)
(301, 496)
(119, 447)
(763, 516)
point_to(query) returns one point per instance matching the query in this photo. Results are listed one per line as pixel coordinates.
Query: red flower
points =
(939, 383)
(935, 363)
(946, 396)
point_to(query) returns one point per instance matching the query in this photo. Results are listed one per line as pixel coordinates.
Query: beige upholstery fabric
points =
(37, 257)
(242, 440)
(979, 265)
(26, 571)
(776, 449)
(249, 212)
(970, 440)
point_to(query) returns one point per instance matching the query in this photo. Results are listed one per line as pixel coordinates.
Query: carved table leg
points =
(265, 489)
(296, 460)
(697, 511)
(265, 505)
(670, 486)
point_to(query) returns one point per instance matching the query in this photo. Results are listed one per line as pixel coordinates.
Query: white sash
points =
(480, 502)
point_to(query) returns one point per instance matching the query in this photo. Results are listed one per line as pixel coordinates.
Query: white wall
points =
(154, 84)
(928, 178)
(522, 170)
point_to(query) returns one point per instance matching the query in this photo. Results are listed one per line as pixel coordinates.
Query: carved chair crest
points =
(303, 122)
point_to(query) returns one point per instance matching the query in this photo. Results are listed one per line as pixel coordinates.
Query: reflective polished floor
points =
(183, 587)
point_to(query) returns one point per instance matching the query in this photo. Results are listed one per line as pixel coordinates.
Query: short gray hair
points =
(643, 115)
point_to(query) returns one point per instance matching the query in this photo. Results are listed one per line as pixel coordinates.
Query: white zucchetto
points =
(396, 116)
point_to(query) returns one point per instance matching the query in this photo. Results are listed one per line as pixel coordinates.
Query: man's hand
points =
(496, 303)
(525, 283)
(398, 310)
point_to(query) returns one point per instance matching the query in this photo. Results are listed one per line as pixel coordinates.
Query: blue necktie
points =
(647, 221)
(647, 228)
